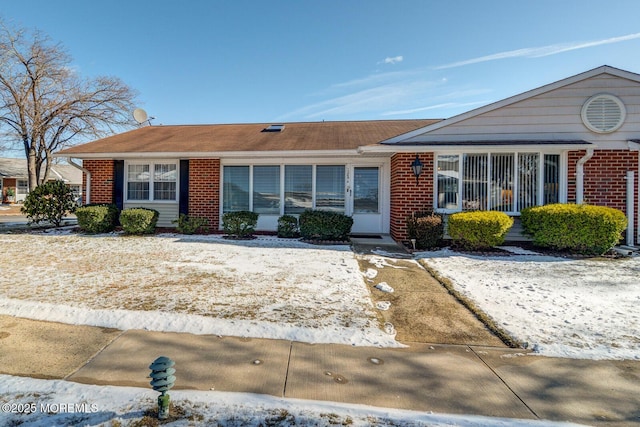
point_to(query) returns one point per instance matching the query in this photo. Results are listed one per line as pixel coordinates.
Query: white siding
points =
(553, 115)
(168, 211)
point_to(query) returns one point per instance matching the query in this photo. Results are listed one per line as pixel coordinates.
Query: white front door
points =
(364, 199)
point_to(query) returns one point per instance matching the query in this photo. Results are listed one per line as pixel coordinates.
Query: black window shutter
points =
(184, 187)
(118, 183)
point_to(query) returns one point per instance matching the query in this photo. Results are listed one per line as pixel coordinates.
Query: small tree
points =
(49, 202)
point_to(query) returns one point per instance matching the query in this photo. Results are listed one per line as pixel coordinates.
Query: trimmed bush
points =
(584, 229)
(191, 224)
(427, 228)
(239, 225)
(479, 229)
(325, 225)
(139, 220)
(97, 218)
(288, 226)
(49, 202)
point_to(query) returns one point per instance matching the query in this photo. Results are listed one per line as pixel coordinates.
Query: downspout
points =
(631, 195)
(87, 194)
(580, 176)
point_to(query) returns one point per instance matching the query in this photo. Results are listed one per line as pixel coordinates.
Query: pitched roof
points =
(221, 138)
(604, 69)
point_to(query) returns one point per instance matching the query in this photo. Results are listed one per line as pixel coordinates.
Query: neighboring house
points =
(14, 178)
(575, 140)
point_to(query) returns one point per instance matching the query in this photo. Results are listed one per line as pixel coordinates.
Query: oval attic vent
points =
(603, 113)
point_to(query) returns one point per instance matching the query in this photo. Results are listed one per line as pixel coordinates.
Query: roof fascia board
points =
(426, 148)
(605, 69)
(211, 154)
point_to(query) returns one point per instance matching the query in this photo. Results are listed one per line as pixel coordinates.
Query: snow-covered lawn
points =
(577, 308)
(268, 287)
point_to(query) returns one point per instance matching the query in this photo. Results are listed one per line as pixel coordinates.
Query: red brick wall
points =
(204, 190)
(101, 181)
(605, 182)
(406, 196)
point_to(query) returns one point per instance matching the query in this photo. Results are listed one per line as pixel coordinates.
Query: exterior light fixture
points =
(416, 167)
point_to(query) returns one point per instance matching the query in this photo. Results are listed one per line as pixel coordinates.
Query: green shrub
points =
(239, 225)
(97, 218)
(324, 225)
(191, 224)
(427, 228)
(584, 229)
(288, 226)
(139, 220)
(49, 202)
(479, 229)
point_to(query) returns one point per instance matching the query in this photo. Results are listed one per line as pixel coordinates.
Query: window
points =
(506, 182)
(236, 188)
(22, 186)
(164, 182)
(330, 188)
(266, 190)
(366, 190)
(298, 189)
(142, 185)
(448, 172)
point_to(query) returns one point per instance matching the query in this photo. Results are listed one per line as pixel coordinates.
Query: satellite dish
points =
(140, 115)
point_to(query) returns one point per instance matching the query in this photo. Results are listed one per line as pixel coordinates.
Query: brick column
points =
(101, 181)
(406, 196)
(204, 190)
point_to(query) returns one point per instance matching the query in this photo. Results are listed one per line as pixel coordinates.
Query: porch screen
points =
(551, 178)
(266, 190)
(235, 189)
(506, 182)
(448, 173)
(298, 188)
(330, 188)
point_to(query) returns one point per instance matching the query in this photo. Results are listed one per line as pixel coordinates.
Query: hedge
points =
(427, 228)
(240, 224)
(97, 218)
(324, 225)
(479, 229)
(584, 229)
(139, 220)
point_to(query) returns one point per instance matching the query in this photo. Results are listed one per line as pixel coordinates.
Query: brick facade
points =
(605, 178)
(204, 190)
(101, 181)
(406, 196)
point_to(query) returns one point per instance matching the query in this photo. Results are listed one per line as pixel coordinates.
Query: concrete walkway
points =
(458, 379)
(454, 379)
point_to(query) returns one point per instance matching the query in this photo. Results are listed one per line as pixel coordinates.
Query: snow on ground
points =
(577, 308)
(32, 402)
(267, 287)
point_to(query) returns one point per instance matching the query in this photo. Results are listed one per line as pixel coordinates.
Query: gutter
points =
(87, 193)
(580, 176)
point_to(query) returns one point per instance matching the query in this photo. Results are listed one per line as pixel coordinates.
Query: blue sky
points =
(273, 61)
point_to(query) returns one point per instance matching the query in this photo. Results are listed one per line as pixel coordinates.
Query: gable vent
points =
(603, 113)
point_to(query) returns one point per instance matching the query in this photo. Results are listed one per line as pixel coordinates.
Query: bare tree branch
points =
(45, 106)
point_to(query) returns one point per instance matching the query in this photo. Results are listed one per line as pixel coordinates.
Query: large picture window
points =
(289, 189)
(152, 182)
(506, 182)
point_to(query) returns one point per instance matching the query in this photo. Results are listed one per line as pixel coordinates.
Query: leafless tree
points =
(46, 106)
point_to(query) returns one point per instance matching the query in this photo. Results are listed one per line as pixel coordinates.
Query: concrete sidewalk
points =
(459, 379)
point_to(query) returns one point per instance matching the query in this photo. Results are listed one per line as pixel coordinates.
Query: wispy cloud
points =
(443, 106)
(392, 60)
(537, 52)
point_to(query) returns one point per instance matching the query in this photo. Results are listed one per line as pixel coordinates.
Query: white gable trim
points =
(605, 69)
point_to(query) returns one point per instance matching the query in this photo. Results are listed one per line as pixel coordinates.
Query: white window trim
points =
(151, 164)
(562, 193)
